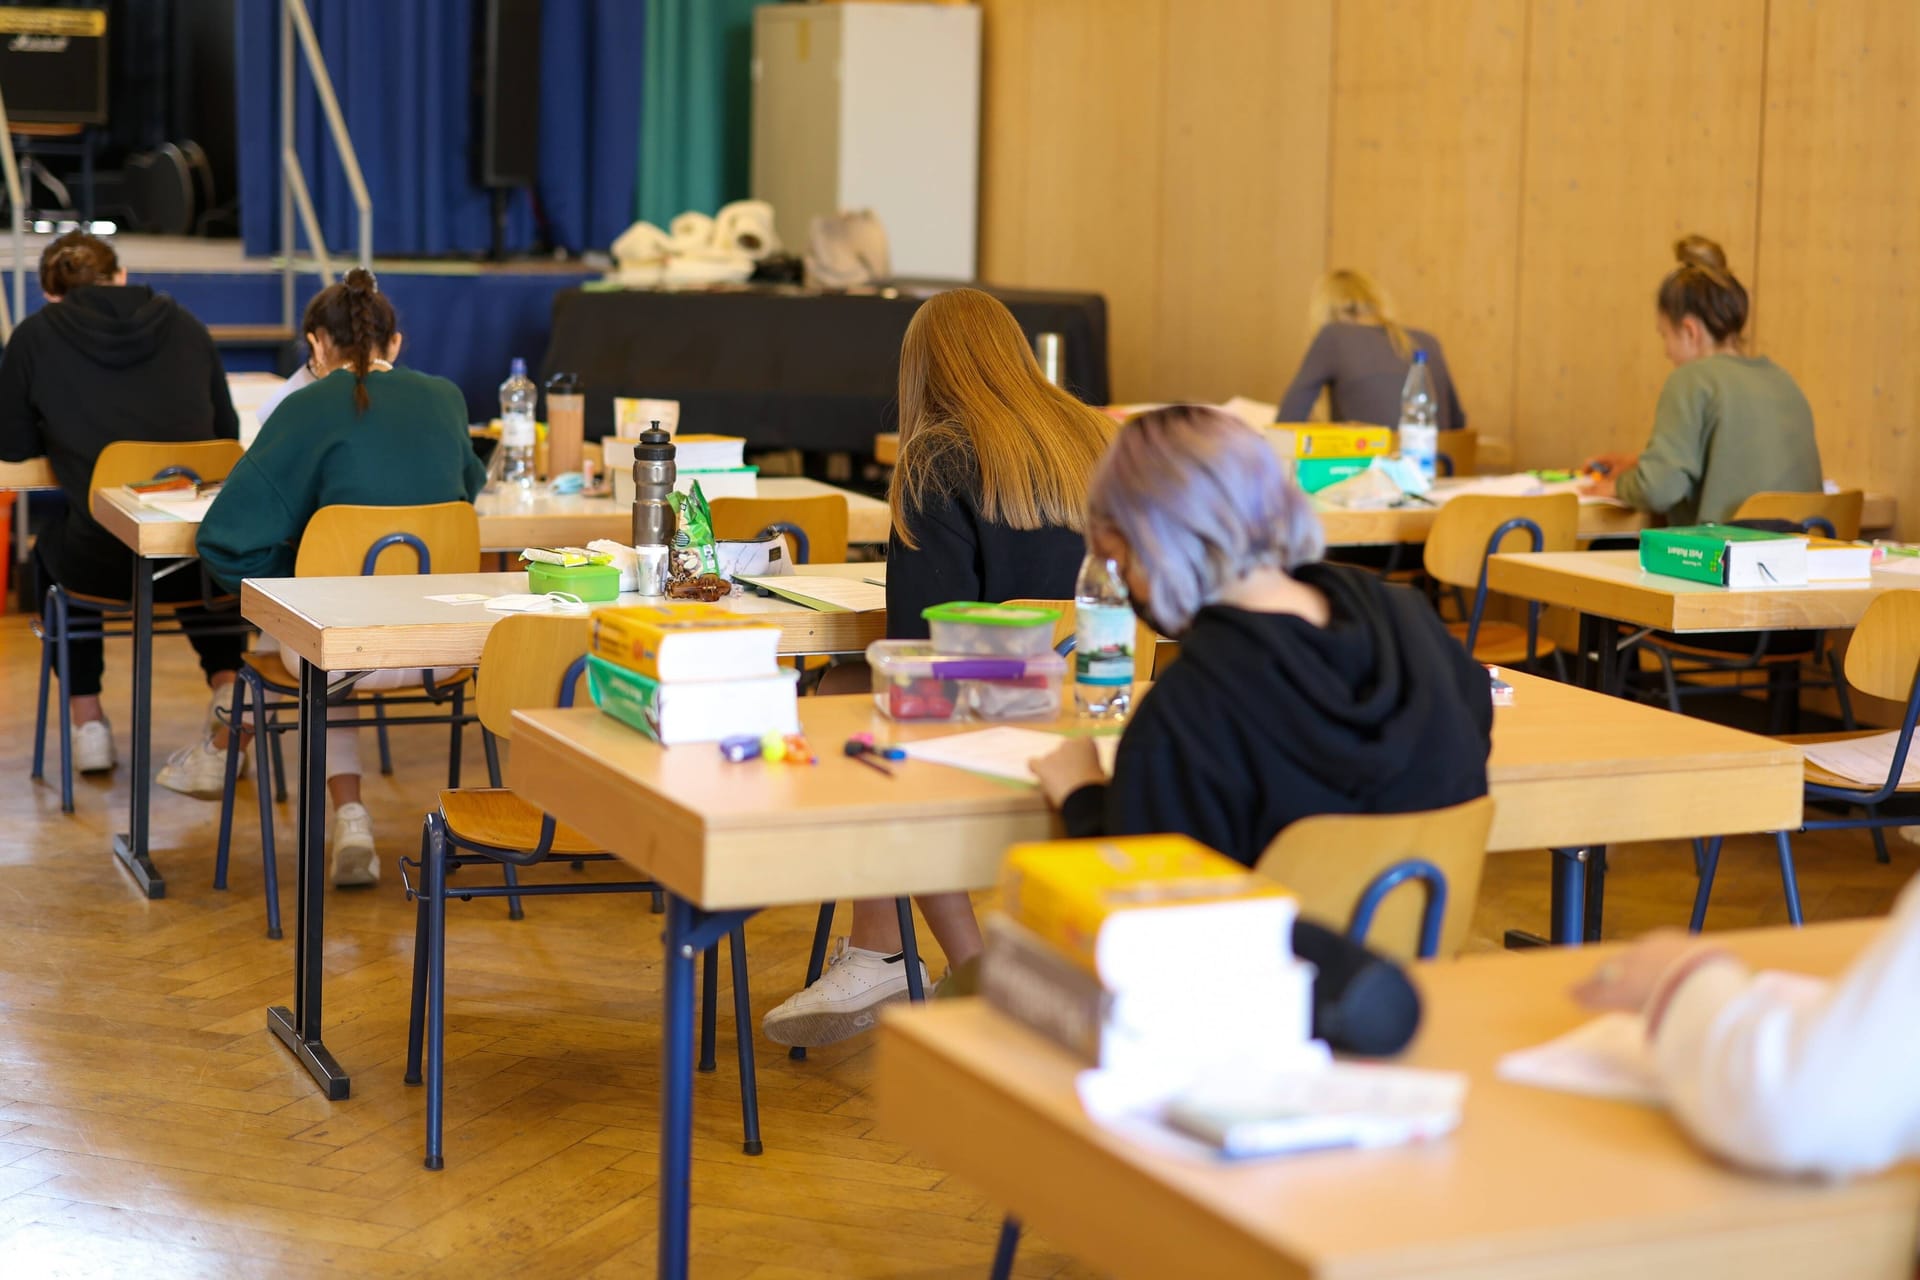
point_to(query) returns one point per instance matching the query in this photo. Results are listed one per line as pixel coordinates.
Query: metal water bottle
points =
(653, 476)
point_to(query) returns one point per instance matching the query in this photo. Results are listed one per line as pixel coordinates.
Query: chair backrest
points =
(128, 461)
(1461, 449)
(1841, 510)
(822, 518)
(1150, 652)
(522, 663)
(337, 539)
(1330, 860)
(1885, 648)
(1457, 543)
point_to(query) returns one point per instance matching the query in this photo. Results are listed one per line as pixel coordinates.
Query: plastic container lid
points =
(978, 614)
(564, 384)
(920, 660)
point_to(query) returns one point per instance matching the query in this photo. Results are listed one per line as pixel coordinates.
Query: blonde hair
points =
(972, 398)
(1698, 251)
(1351, 297)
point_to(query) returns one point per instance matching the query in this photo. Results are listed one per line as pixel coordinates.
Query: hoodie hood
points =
(114, 326)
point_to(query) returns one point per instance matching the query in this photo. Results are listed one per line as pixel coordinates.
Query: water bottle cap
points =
(655, 446)
(1419, 357)
(519, 369)
(564, 384)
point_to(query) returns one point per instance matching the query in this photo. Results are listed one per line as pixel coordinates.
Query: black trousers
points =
(108, 573)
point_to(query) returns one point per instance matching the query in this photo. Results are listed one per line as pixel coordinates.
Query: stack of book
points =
(690, 673)
(1151, 955)
(1317, 455)
(719, 463)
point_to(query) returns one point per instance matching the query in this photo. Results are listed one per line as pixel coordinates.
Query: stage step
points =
(251, 335)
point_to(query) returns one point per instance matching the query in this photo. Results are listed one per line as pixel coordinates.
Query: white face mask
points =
(551, 602)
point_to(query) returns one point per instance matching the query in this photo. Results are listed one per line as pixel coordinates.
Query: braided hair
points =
(359, 322)
(76, 259)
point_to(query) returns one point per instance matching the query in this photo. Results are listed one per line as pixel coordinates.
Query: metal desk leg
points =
(300, 1028)
(1569, 904)
(131, 846)
(1596, 892)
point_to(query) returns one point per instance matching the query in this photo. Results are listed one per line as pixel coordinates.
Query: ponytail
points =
(359, 322)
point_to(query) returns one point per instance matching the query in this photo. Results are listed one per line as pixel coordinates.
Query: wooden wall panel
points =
(1643, 122)
(1839, 271)
(1243, 197)
(1425, 176)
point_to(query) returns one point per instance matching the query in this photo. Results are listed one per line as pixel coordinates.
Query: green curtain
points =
(696, 112)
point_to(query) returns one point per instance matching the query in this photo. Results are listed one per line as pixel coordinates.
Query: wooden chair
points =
(1344, 867)
(1474, 526)
(1841, 511)
(66, 616)
(529, 661)
(815, 528)
(349, 541)
(1883, 661)
(1458, 453)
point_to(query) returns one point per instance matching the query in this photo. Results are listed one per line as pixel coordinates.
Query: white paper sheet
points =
(1605, 1058)
(1864, 760)
(1005, 751)
(825, 593)
(192, 510)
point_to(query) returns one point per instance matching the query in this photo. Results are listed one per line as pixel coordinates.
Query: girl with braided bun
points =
(364, 433)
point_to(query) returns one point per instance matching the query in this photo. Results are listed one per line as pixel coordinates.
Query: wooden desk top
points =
(386, 621)
(1569, 767)
(869, 520)
(1534, 1183)
(150, 534)
(1611, 584)
(34, 473)
(1348, 528)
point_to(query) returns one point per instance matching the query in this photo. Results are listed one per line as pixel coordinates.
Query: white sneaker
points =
(93, 747)
(845, 1001)
(199, 771)
(354, 861)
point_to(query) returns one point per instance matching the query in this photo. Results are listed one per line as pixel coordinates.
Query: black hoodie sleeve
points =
(1160, 788)
(19, 421)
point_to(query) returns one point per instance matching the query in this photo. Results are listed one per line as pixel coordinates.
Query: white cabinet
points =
(872, 106)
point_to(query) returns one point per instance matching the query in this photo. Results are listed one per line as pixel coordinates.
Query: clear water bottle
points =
(518, 396)
(1103, 641)
(1419, 418)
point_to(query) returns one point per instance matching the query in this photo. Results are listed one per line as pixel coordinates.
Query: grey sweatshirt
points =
(1358, 363)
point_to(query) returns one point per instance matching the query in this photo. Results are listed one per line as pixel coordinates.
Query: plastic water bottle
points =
(1103, 641)
(1419, 418)
(518, 396)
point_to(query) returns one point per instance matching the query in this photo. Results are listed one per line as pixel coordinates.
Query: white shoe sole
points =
(95, 766)
(813, 1028)
(355, 867)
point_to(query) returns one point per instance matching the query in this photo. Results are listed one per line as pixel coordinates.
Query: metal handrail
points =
(303, 201)
(18, 200)
(293, 187)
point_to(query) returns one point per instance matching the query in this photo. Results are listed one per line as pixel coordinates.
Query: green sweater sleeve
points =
(250, 530)
(1670, 469)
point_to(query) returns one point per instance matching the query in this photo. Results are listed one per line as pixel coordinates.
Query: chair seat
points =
(273, 669)
(1820, 777)
(1503, 644)
(499, 819)
(160, 607)
(1783, 650)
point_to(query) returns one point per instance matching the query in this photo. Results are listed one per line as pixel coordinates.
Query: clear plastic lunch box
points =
(914, 680)
(967, 627)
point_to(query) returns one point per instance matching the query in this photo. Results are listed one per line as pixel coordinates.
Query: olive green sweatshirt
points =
(1727, 427)
(409, 447)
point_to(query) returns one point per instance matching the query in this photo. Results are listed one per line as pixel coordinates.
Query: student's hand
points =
(1626, 982)
(1074, 764)
(1595, 485)
(1600, 473)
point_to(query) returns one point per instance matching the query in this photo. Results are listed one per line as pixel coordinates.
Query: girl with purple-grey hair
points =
(1301, 687)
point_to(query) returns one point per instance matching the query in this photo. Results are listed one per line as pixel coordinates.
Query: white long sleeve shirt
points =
(1822, 1079)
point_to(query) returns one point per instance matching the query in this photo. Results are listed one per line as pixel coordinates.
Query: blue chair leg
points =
(417, 997)
(1008, 1246)
(63, 661)
(1879, 834)
(816, 961)
(434, 878)
(459, 736)
(1699, 854)
(1787, 882)
(269, 865)
(40, 707)
(910, 946)
(224, 844)
(659, 898)
(380, 735)
(709, 1004)
(743, 1035)
(1710, 862)
(279, 768)
(511, 875)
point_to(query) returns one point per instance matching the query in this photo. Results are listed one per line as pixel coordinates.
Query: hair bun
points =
(360, 280)
(1699, 251)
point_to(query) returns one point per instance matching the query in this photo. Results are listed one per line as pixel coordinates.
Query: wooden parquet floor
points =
(150, 1126)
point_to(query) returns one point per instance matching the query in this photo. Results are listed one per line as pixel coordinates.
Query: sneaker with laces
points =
(845, 1001)
(355, 864)
(199, 771)
(93, 747)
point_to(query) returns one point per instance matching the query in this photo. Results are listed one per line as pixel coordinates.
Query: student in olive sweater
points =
(1728, 425)
(364, 433)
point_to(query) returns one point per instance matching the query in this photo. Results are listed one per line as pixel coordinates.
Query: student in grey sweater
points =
(1360, 357)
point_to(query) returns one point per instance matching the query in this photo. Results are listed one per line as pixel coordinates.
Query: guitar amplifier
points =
(53, 65)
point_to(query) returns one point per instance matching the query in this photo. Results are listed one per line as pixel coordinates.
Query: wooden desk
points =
(1533, 1184)
(386, 622)
(34, 473)
(1346, 528)
(1569, 768)
(886, 448)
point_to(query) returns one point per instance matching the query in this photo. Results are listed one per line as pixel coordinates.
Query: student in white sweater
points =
(1784, 1079)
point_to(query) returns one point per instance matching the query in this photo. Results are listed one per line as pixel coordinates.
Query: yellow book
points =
(1126, 909)
(1341, 440)
(686, 642)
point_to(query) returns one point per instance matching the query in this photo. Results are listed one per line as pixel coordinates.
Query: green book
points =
(1315, 474)
(1725, 555)
(694, 710)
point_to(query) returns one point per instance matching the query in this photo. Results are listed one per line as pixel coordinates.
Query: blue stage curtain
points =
(403, 75)
(696, 122)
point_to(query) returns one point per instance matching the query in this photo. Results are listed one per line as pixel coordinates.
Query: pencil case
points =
(591, 582)
(913, 680)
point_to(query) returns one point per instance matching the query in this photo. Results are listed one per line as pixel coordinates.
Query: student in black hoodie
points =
(1301, 688)
(104, 361)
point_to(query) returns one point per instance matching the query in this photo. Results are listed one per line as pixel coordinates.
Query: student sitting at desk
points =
(364, 433)
(105, 361)
(987, 499)
(1728, 425)
(1359, 357)
(1783, 1078)
(1302, 688)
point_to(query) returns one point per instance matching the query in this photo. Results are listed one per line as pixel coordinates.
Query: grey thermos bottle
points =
(653, 474)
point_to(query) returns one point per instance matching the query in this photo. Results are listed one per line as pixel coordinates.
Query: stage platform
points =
(463, 320)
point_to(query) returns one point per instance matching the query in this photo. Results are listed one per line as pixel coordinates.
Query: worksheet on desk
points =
(1005, 751)
(1864, 760)
(825, 592)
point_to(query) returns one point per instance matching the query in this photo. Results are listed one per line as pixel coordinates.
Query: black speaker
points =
(53, 64)
(507, 93)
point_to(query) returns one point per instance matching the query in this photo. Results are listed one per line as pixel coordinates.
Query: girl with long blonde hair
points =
(1359, 357)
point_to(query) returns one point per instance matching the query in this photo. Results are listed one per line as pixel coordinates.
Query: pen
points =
(863, 752)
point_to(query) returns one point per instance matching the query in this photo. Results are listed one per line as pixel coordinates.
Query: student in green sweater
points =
(1728, 425)
(363, 433)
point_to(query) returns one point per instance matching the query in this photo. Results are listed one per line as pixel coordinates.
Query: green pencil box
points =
(591, 582)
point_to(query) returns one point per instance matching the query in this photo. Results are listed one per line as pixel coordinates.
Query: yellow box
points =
(1335, 440)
